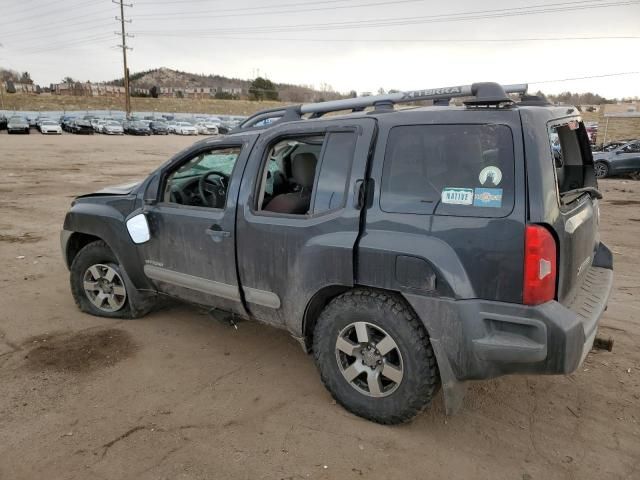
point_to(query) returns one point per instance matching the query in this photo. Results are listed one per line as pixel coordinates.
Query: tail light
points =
(540, 267)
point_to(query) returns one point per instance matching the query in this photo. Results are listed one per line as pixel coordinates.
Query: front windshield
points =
(218, 160)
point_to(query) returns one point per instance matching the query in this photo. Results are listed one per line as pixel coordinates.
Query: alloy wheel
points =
(601, 170)
(369, 359)
(104, 288)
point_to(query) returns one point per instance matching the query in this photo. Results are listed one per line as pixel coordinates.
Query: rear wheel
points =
(97, 282)
(602, 169)
(374, 356)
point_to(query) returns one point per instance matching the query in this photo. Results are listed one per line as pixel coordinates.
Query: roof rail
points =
(485, 93)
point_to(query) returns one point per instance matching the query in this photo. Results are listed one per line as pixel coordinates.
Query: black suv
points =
(405, 249)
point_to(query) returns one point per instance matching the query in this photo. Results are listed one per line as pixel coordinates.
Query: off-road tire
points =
(91, 254)
(390, 312)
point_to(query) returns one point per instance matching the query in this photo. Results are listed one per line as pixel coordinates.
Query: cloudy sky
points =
(349, 44)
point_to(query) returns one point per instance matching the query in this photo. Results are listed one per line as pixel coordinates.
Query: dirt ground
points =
(179, 395)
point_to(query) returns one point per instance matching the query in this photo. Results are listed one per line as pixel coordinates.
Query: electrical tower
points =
(124, 34)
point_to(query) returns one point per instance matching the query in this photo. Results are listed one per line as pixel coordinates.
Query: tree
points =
(263, 89)
(153, 91)
(25, 78)
(68, 80)
(353, 94)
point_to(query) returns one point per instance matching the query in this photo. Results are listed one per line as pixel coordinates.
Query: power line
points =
(60, 25)
(584, 78)
(48, 13)
(421, 40)
(268, 10)
(403, 21)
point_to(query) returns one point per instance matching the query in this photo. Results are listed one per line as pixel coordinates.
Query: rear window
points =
(461, 170)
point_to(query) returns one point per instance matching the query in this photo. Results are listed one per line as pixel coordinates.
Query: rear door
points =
(285, 258)
(577, 225)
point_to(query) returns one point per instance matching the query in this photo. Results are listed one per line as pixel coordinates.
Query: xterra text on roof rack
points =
(405, 249)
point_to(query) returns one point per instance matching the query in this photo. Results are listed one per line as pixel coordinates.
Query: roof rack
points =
(484, 94)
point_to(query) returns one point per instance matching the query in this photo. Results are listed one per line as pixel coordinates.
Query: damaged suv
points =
(406, 249)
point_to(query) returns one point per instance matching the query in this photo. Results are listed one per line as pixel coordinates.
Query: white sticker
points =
(490, 176)
(457, 196)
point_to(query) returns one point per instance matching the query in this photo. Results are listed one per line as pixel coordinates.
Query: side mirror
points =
(138, 228)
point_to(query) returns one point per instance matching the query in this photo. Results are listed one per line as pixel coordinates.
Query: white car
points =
(185, 128)
(207, 128)
(112, 128)
(49, 126)
(97, 125)
(171, 127)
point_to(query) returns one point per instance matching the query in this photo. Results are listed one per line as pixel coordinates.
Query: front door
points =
(298, 215)
(191, 253)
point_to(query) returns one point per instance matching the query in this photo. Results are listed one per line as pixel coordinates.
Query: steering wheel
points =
(213, 192)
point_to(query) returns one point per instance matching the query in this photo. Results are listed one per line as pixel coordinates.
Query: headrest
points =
(303, 168)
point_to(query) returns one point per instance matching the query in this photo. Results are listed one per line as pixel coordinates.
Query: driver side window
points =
(202, 180)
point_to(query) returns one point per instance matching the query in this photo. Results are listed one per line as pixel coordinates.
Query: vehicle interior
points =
(289, 174)
(203, 180)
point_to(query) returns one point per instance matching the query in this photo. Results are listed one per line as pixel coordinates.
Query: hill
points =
(167, 77)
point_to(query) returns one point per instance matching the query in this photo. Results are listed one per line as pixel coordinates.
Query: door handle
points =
(216, 233)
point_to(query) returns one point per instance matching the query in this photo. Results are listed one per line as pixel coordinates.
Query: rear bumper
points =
(483, 339)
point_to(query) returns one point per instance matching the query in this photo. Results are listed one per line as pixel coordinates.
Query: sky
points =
(361, 45)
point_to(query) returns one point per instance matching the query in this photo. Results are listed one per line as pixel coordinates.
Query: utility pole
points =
(127, 93)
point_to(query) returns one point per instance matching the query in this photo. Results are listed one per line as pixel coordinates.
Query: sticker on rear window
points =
(457, 196)
(488, 197)
(490, 176)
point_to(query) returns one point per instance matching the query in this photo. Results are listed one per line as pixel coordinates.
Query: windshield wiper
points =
(592, 191)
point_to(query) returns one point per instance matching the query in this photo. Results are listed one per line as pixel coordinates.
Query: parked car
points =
(66, 122)
(159, 128)
(18, 125)
(136, 128)
(112, 127)
(406, 249)
(172, 126)
(81, 127)
(32, 120)
(623, 159)
(40, 119)
(49, 126)
(185, 128)
(206, 128)
(3, 122)
(607, 147)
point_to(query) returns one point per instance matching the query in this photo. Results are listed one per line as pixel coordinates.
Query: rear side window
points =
(569, 148)
(461, 170)
(334, 171)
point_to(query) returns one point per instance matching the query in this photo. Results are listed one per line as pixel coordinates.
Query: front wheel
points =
(97, 283)
(374, 356)
(602, 169)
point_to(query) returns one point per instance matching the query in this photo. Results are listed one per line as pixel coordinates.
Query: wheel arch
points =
(453, 389)
(76, 242)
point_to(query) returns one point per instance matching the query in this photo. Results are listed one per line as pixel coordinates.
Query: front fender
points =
(106, 220)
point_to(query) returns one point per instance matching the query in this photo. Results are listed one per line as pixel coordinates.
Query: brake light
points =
(540, 267)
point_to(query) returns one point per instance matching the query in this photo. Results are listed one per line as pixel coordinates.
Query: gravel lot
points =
(178, 394)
